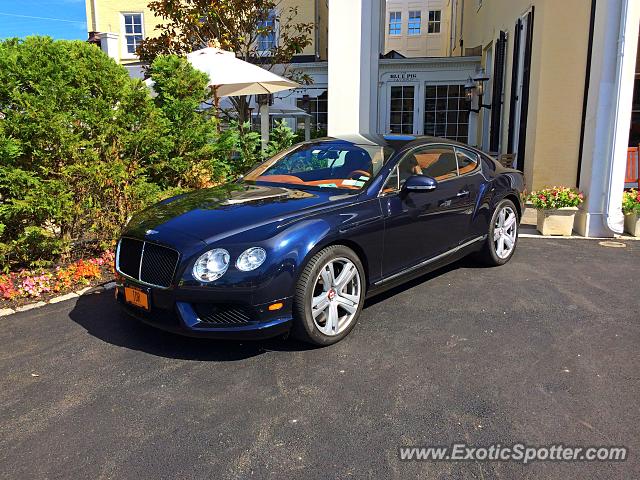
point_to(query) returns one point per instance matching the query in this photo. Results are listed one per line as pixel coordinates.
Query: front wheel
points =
(502, 236)
(329, 296)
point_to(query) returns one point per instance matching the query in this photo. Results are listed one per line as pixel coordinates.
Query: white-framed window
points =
(446, 112)
(401, 109)
(435, 17)
(395, 23)
(269, 40)
(318, 108)
(415, 22)
(133, 32)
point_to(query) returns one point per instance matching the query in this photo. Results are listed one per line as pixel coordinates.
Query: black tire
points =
(304, 327)
(488, 255)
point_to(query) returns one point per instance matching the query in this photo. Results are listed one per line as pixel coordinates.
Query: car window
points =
(467, 160)
(433, 161)
(437, 162)
(323, 164)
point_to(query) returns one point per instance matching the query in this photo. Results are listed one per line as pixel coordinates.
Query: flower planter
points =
(556, 222)
(632, 224)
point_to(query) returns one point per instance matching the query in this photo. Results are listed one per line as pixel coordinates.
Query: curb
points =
(4, 312)
(620, 238)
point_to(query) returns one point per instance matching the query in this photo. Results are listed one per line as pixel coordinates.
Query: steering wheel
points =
(359, 172)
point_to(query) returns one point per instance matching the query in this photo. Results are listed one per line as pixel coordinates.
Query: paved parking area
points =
(543, 350)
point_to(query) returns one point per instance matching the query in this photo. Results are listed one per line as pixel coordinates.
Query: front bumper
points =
(209, 316)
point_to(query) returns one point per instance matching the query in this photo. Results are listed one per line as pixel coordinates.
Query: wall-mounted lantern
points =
(469, 89)
(480, 77)
(475, 88)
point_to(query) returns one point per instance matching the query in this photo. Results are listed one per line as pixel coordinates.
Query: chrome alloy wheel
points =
(336, 296)
(505, 232)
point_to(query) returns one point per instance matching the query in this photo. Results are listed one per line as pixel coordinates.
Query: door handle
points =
(463, 193)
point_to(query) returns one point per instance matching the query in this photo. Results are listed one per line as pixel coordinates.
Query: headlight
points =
(211, 265)
(251, 259)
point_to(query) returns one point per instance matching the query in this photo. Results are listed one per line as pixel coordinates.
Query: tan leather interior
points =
(281, 179)
(469, 168)
(426, 159)
(295, 180)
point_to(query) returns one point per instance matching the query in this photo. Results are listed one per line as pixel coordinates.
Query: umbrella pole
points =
(264, 125)
(216, 106)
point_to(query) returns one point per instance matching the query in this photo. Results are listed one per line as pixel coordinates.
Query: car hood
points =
(213, 214)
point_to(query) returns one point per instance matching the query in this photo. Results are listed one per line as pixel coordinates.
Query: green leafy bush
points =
(193, 161)
(77, 136)
(281, 138)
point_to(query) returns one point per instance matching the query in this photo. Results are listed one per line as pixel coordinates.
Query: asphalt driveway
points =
(543, 350)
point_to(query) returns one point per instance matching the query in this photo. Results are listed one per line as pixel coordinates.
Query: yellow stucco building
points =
(534, 54)
(418, 28)
(122, 24)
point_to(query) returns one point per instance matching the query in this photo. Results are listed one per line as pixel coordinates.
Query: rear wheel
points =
(502, 236)
(329, 296)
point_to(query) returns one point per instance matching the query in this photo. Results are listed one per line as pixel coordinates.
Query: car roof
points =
(394, 141)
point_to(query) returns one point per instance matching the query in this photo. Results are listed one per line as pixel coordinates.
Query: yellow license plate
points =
(136, 297)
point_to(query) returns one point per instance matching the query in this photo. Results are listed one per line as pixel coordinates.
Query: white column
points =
(354, 51)
(109, 44)
(608, 117)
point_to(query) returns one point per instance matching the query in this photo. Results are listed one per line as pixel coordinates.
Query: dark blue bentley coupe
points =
(300, 242)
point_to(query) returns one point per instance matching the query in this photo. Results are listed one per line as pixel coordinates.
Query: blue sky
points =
(56, 18)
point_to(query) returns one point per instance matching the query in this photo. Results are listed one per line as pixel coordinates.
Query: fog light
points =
(276, 306)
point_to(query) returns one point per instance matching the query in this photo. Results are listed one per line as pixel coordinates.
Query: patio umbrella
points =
(230, 76)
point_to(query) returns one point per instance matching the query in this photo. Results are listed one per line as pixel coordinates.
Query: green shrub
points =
(281, 138)
(77, 135)
(193, 160)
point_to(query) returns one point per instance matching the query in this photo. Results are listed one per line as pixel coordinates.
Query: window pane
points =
(467, 161)
(402, 106)
(451, 115)
(395, 23)
(437, 162)
(415, 20)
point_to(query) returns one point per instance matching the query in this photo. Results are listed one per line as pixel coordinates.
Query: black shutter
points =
(496, 96)
(526, 77)
(514, 85)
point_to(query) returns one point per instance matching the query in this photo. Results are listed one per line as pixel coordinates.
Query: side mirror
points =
(420, 183)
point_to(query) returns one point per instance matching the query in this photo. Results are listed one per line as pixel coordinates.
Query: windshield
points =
(339, 164)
